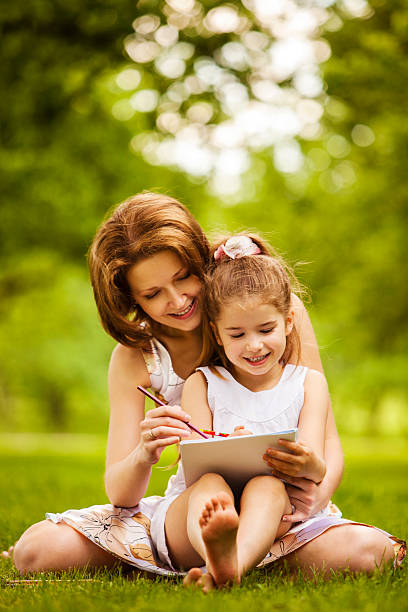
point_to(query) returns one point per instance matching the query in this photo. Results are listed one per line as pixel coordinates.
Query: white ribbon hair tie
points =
(236, 247)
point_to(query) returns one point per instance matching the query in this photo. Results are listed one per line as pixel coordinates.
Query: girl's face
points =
(166, 290)
(253, 335)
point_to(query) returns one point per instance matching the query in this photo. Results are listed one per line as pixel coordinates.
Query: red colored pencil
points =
(214, 433)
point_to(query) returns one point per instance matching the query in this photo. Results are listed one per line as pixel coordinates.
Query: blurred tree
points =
(218, 81)
(64, 161)
(53, 53)
(78, 87)
(368, 75)
(346, 212)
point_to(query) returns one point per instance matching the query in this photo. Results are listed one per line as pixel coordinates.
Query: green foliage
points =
(53, 351)
(65, 160)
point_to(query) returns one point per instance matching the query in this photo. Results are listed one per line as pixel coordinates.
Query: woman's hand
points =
(299, 460)
(306, 497)
(162, 427)
(240, 430)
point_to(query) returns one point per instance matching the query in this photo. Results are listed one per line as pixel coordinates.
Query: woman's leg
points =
(48, 546)
(354, 547)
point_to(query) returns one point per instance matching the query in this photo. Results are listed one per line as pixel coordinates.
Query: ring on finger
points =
(152, 435)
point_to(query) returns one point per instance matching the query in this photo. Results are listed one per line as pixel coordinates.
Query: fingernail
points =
(187, 416)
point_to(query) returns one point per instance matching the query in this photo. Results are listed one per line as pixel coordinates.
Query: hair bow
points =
(236, 247)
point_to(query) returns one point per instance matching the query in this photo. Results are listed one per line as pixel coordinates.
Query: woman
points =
(147, 265)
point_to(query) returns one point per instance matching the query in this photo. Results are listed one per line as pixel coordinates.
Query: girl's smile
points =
(166, 290)
(257, 361)
(253, 335)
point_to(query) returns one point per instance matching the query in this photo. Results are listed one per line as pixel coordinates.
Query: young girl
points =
(147, 264)
(248, 302)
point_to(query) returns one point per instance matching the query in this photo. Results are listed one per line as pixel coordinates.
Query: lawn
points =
(58, 472)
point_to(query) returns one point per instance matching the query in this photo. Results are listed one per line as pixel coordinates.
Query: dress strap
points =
(152, 359)
(163, 380)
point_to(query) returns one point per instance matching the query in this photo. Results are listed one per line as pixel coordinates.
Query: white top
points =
(267, 411)
(232, 404)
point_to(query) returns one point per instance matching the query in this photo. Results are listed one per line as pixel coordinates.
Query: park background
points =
(81, 127)
(287, 117)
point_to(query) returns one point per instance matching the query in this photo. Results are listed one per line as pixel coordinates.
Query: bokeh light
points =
(260, 88)
(362, 135)
(128, 79)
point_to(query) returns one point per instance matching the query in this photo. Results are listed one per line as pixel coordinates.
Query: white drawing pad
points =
(237, 458)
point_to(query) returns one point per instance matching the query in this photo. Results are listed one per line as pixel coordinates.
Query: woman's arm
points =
(308, 497)
(310, 357)
(131, 450)
(309, 350)
(333, 455)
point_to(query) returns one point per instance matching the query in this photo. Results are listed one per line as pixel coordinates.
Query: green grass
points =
(53, 473)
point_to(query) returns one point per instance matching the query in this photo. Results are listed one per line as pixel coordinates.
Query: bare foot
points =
(219, 525)
(7, 554)
(195, 577)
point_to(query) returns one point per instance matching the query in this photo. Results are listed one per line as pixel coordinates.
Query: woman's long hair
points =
(140, 227)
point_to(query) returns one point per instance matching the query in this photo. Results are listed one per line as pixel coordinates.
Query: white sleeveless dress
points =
(136, 535)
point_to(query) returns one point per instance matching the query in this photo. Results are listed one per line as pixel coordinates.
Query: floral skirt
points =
(126, 533)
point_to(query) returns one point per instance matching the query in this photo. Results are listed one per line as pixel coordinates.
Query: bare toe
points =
(208, 509)
(207, 583)
(215, 505)
(193, 576)
(7, 554)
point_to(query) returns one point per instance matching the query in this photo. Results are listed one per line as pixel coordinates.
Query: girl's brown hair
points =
(140, 227)
(265, 275)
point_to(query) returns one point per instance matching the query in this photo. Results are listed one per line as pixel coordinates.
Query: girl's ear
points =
(215, 330)
(290, 321)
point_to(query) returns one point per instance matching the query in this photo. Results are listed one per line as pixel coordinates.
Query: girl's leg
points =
(47, 546)
(353, 547)
(263, 502)
(192, 537)
(229, 550)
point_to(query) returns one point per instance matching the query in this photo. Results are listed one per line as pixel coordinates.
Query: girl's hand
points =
(299, 460)
(162, 427)
(240, 430)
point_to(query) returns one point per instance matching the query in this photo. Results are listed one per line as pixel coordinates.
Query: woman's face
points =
(167, 291)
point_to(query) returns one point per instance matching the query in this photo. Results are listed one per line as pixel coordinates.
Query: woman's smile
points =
(163, 286)
(187, 312)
